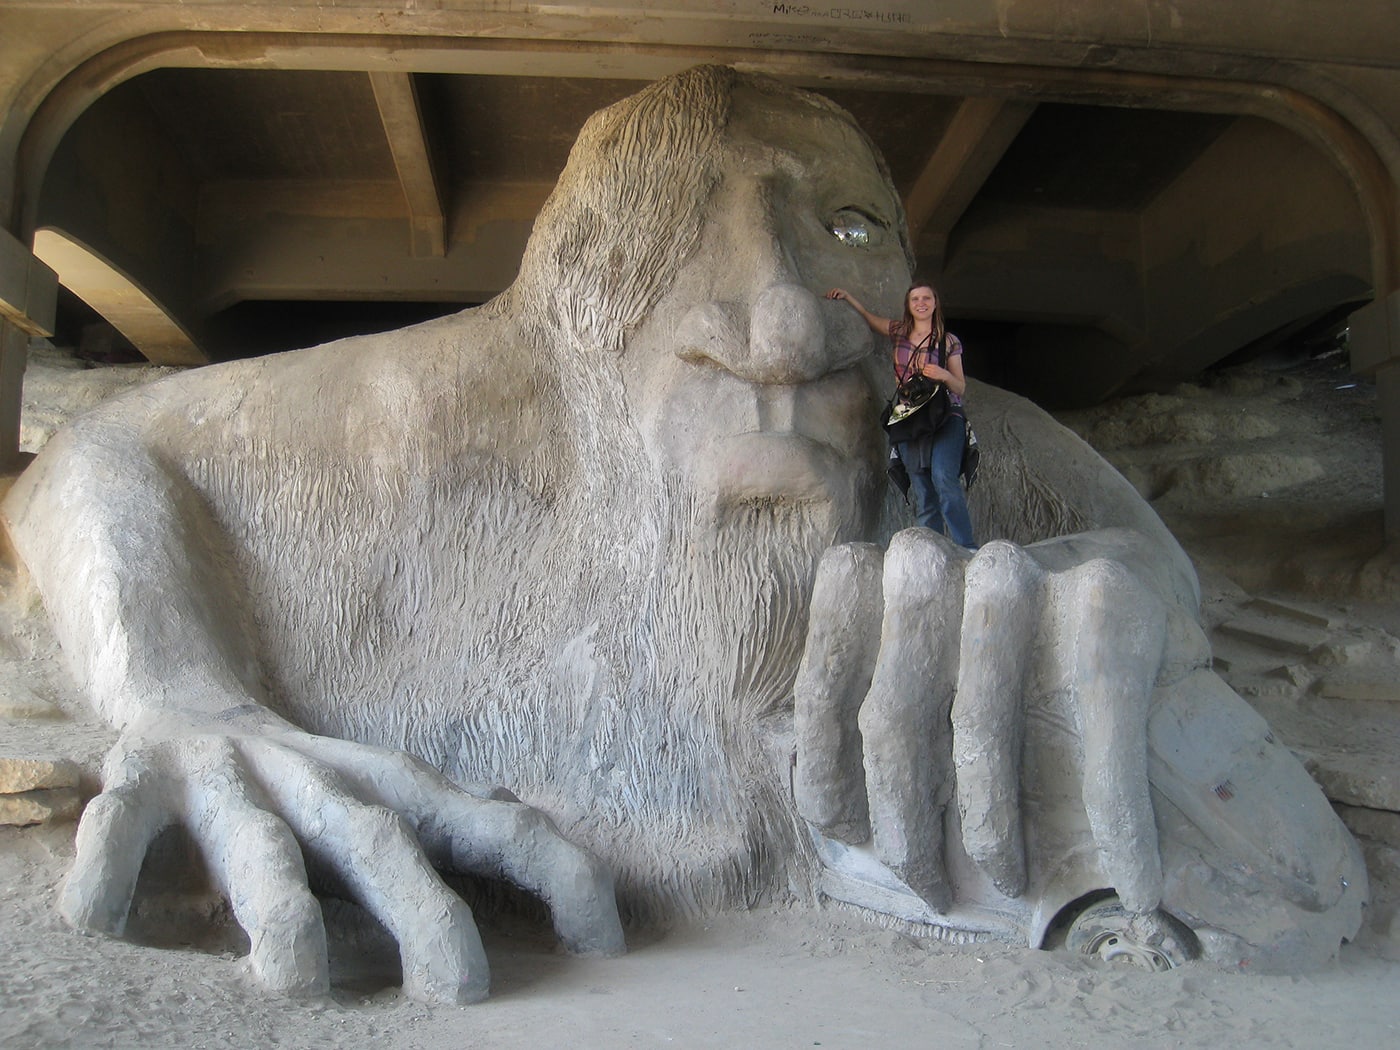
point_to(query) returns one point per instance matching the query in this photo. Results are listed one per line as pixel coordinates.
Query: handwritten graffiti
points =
(843, 14)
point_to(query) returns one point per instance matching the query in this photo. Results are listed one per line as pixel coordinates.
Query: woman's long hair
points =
(939, 326)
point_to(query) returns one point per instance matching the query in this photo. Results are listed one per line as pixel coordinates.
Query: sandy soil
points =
(1271, 478)
(791, 978)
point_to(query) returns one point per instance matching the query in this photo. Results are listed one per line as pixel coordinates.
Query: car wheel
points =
(1109, 931)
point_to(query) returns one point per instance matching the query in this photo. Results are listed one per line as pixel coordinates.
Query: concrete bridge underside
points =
(1113, 196)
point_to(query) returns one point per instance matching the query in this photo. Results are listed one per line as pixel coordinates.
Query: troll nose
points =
(787, 339)
(782, 340)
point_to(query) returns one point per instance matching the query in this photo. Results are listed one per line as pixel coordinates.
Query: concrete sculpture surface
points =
(566, 543)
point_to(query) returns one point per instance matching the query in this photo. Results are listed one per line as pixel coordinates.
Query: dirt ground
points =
(1271, 477)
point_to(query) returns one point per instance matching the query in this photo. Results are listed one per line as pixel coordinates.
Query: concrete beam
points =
(976, 139)
(344, 240)
(149, 327)
(1053, 71)
(397, 98)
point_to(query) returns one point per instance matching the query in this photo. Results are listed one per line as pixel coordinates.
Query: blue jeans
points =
(937, 492)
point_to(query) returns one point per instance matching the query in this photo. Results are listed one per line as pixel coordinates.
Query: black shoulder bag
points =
(920, 404)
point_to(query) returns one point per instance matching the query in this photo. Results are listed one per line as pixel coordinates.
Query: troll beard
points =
(612, 649)
(669, 769)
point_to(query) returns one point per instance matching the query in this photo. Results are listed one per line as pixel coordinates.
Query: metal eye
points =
(853, 235)
(852, 228)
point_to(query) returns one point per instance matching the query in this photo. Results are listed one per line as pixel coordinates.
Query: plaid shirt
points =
(908, 358)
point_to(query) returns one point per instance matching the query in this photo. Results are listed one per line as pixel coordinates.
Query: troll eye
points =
(855, 229)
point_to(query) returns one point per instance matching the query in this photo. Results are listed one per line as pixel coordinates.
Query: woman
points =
(933, 461)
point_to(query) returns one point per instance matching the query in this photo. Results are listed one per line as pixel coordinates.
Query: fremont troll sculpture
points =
(566, 543)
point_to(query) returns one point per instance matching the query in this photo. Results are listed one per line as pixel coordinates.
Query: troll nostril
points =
(715, 331)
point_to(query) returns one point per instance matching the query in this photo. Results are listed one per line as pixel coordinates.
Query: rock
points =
(1272, 634)
(1381, 826)
(1352, 750)
(1355, 779)
(1349, 689)
(1378, 833)
(18, 701)
(27, 774)
(1290, 611)
(42, 806)
(1339, 654)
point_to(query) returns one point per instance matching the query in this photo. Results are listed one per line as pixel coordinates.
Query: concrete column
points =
(1374, 340)
(28, 301)
(1388, 393)
(13, 345)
